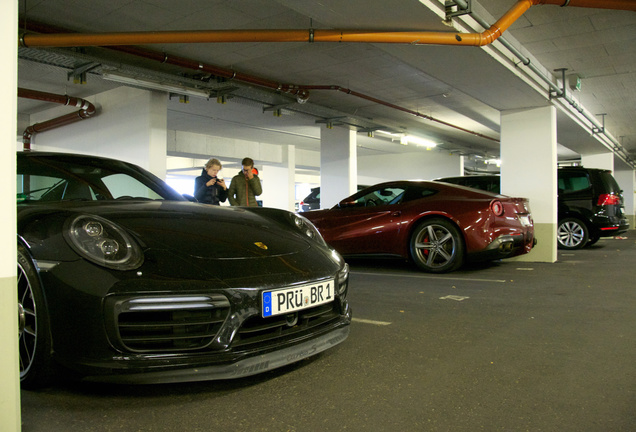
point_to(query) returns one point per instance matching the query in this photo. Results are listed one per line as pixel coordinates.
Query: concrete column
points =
(627, 181)
(130, 124)
(274, 181)
(9, 365)
(338, 165)
(529, 169)
(602, 161)
(291, 177)
(278, 182)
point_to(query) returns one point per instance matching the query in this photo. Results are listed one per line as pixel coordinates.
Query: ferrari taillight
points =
(497, 208)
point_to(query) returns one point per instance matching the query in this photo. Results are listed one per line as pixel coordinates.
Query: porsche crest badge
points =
(261, 245)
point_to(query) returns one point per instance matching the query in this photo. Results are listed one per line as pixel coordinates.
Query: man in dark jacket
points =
(245, 186)
(208, 187)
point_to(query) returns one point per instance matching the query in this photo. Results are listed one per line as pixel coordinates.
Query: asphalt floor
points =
(502, 346)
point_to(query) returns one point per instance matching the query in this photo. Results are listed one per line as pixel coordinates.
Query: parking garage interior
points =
(554, 88)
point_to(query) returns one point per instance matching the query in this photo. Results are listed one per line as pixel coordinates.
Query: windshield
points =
(65, 178)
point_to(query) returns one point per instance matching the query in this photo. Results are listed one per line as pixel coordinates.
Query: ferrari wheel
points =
(33, 326)
(572, 233)
(437, 246)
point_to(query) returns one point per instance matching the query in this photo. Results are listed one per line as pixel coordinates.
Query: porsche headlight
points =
(103, 242)
(307, 228)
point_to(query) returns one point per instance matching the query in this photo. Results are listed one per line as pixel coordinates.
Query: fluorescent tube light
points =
(155, 85)
(409, 139)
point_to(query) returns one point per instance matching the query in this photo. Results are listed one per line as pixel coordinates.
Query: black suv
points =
(590, 204)
(312, 201)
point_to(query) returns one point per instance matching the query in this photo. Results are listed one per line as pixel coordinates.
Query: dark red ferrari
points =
(437, 225)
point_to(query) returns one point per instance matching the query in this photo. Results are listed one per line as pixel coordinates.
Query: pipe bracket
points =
(455, 8)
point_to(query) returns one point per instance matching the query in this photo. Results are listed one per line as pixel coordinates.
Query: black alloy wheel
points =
(437, 246)
(33, 326)
(572, 233)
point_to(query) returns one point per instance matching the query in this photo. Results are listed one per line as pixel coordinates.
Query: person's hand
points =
(221, 182)
(211, 182)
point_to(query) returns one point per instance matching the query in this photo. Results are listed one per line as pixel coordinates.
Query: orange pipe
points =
(225, 36)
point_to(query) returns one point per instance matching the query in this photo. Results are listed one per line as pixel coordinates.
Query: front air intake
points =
(167, 324)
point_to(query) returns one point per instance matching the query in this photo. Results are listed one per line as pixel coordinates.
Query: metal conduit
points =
(87, 110)
(598, 4)
(561, 91)
(300, 91)
(397, 107)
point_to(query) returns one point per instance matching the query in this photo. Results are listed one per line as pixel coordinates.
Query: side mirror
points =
(345, 203)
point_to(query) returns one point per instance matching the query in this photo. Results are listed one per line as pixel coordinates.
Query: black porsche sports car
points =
(122, 279)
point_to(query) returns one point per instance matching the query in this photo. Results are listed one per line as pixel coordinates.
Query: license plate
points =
(289, 300)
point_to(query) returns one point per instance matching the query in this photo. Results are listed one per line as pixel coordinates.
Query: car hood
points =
(196, 230)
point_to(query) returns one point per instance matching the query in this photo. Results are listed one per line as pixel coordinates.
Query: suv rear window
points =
(573, 181)
(609, 182)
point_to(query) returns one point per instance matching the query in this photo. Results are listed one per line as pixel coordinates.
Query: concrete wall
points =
(417, 165)
(130, 124)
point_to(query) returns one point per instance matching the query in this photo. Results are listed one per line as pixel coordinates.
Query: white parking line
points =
(429, 277)
(366, 321)
(454, 297)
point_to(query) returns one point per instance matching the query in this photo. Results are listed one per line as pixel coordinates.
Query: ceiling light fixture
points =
(155, 85)
(405, 139)
(420, 142)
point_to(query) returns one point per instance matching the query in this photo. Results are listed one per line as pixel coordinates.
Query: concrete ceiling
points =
(467, 87)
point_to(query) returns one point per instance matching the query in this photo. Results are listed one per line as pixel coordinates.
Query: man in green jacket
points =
(245, 186)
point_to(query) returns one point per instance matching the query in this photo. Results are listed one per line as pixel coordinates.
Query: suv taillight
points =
(608, 199)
